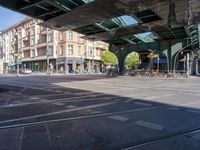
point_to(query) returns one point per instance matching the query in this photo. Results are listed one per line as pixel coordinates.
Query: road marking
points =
(21, 139)
(57, 91)
(59, 103)
(196, 136)
(119, 118)
(173, 108)
(193, 111)
(19, 93)
(48, 134)
(58, 112)
(127, 101)
(71, 106)
(80, 117)
(34, 97)
(11, 92)
(149, 125)
(96, 112)
(71, 99)
(22, 90)
(49, 90)
(91, 111)
(159, 96)
(143, 103)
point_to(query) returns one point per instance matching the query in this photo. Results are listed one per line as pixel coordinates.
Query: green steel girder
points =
(167, 48)
(43, 9)
(97, 17)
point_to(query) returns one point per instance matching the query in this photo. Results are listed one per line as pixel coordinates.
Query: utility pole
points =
(48, 63)
(158, 64)
(93, 57)
(17, 65)
(188, 64)
(18, 55)
(48, 71)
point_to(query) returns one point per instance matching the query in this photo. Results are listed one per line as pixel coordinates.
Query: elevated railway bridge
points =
(165, 27)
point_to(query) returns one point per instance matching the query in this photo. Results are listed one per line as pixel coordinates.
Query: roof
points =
(113, 21)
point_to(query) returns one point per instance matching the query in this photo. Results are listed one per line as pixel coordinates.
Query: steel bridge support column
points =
(174, 47)
(121, 53)
(169, 48)
(122, 68)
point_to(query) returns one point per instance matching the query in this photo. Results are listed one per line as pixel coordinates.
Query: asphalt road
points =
(96, 113)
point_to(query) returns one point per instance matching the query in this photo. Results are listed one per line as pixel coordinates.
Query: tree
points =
(132, 60)
(108, 58)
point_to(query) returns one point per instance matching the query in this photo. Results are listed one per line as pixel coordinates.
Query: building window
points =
(70, 35)
(50, 37)
(32, 31)
(61, 50)
(50, 51)
(41, 52)
(97, 52)
(26, 54)
(32, 41)
(79, 50)
(90, 51)
(70, 49)
(20, 45)
(79, 37)
(38, 31)
(20, 35)
(33, 53)
(61, 36)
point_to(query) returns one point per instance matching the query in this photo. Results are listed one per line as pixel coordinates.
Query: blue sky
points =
(8, 18)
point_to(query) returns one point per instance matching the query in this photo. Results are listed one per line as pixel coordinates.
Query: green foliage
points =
(108, 58)
(132, 60)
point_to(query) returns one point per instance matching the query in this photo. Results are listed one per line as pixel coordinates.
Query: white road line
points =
(92, 111)
(81, 117)
(149, 125)
(22, 90)
(96, 112)
(51, 101)
(193, 111)
(186, 104)
(19, 93)
(59, 103)
(173, 108)
(34, 98)
(50, 90)
(196, 136)
(142, 103)
(48, 134)
(159, 96)
(58, 91)
(58, 112)
(71, 106)
(118, 118)
(21, 139)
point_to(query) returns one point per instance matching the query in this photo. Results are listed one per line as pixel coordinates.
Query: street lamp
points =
(93, 55)
(18, 55)
(48, 64)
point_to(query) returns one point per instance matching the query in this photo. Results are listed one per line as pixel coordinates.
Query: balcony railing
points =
(41, 41)
(43, 32)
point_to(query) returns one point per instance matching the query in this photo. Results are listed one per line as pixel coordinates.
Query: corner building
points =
(44, 49)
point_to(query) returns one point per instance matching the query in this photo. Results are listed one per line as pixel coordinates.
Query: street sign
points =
(18, 54)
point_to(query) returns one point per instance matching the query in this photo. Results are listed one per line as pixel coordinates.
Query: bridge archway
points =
(183, 59)
(110, 59)
(147, 64)
(132, 60)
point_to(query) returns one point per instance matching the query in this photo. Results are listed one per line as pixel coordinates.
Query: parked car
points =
(26, 71)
